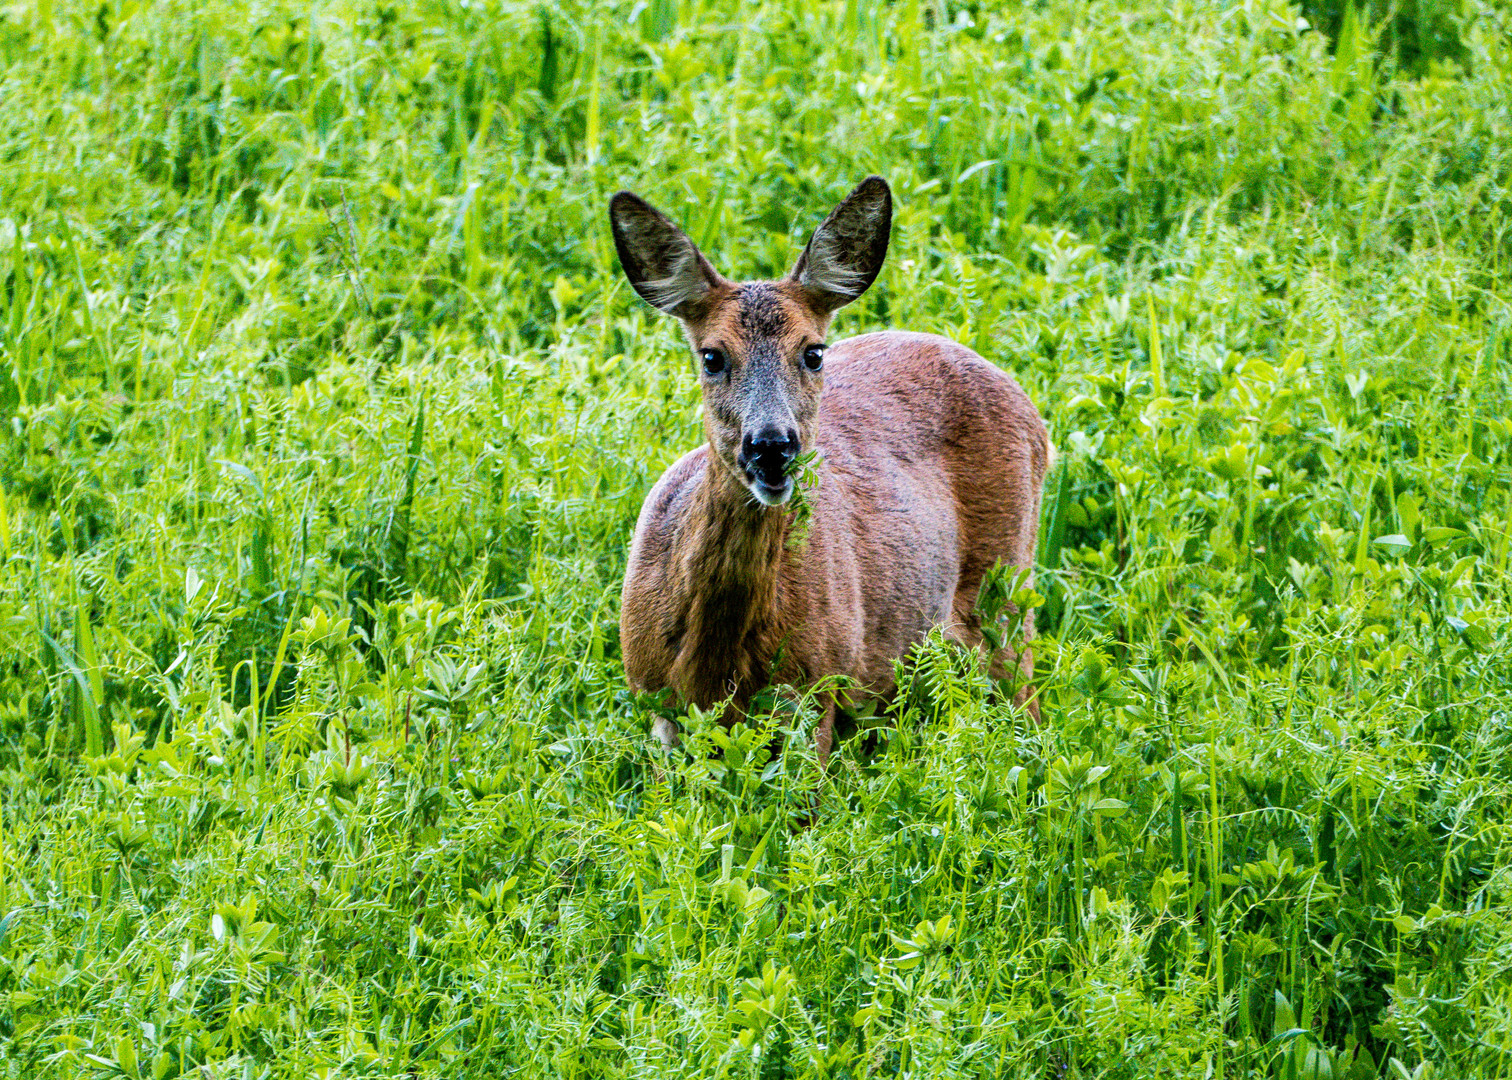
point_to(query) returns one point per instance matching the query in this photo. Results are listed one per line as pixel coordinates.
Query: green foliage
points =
(328, 416)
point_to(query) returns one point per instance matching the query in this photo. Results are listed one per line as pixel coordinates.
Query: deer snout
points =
(765, 454)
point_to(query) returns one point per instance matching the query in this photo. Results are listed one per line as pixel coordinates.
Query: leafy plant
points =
(327, 419)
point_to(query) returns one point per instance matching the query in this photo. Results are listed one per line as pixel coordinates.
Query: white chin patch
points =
(771, 496)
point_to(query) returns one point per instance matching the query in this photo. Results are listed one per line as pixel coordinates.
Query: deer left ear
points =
(845, 254)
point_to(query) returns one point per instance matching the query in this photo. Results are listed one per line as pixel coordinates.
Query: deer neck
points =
(730, 583)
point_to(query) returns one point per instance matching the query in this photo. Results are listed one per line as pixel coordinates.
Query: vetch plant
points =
(317, 751)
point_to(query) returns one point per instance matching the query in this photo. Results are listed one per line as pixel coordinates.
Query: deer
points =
(926, 464)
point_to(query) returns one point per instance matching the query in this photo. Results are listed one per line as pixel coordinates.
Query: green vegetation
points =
(328, 414)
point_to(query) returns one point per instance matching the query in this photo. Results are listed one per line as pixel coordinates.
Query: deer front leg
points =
(824, 741)
(824, 734)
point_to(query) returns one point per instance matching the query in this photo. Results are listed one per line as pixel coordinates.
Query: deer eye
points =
(813, 357)
(713, 361)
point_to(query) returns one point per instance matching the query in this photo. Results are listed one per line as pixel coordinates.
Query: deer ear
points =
(664, 267)
(844, 256)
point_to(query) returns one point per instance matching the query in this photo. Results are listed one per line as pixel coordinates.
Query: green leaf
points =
(95, 718)
(1286, 1020)
(908, 961)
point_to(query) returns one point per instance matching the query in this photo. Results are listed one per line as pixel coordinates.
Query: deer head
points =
(760, 345)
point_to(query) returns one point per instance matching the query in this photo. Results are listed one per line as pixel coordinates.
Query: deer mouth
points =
(767, 493)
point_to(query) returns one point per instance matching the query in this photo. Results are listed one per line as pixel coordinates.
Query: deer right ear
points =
(665, 268)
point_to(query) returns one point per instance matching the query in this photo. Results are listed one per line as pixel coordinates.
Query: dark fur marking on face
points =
(761, 310)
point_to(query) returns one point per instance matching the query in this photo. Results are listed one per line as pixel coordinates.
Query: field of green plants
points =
(327, 415)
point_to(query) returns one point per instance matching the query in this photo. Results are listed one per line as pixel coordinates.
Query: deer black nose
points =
(767, 453)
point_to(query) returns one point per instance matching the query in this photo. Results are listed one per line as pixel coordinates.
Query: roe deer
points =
(929, 469)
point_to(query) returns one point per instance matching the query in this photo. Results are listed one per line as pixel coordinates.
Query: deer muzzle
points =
(765, 457)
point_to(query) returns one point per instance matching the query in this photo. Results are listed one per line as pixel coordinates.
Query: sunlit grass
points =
(328, 416)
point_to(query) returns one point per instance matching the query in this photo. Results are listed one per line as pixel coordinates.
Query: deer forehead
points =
(748, 317)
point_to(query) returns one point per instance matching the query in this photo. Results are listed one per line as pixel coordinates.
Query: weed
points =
(327, 419)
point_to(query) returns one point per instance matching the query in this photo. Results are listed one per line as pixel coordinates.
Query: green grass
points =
(328, 414)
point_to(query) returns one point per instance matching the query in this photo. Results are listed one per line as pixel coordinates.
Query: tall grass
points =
(328, 416)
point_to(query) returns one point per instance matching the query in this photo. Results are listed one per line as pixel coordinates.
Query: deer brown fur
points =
(931, 462)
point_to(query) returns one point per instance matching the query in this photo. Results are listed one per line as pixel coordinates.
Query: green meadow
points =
(327, 415)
